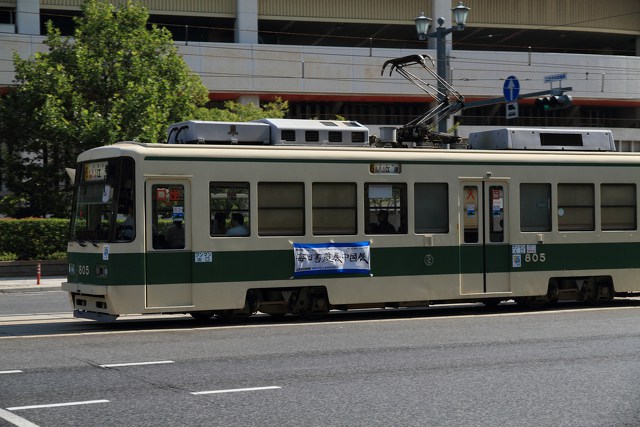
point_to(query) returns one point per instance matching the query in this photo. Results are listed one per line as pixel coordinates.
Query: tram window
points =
(168, 217)
(535, 207)
(618, 206)
(125, 220)
(470, 214)
(103, 197)
(576, 207)
(385, 208)
(431, 208)
(334, 208)
(496, 220)
(229, 209)
(280, 209)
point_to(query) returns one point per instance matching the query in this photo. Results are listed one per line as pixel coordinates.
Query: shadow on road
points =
(22, 326)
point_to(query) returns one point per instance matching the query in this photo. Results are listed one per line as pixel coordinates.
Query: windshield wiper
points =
(80, 242)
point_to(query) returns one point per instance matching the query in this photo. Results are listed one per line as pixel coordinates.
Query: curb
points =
(30, 284)
(34, 288)
(29, 268)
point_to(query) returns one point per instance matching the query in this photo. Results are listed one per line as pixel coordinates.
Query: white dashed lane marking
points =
(57, 405)
(236, 390)
(119, 365)
(15, 420)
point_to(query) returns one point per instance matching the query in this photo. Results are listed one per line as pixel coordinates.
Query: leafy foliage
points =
(33, 238)
(115, 80)
(8, 256)
(236, 112)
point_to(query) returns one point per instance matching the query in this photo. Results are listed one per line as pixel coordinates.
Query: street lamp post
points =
(460, 13)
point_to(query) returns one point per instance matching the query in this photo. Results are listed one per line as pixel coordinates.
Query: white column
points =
(249, 99)
(28, 17)
(246, 21)
(440, 8)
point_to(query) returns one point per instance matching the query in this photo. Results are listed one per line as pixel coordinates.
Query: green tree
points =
(236, 112)
(116, 79)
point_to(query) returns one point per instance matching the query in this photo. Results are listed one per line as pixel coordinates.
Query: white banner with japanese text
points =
(332, 258)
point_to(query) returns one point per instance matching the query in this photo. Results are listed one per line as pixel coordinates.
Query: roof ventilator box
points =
(543, 139)
(335, 133)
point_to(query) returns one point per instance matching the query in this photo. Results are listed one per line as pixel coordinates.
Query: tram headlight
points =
(72, 269)
(101, 271)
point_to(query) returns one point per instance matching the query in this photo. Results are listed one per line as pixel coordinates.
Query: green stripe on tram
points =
(248, 266)
(121, 269)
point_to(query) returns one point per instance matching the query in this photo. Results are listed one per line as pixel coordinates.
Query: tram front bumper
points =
(89, 301)
(99, 317)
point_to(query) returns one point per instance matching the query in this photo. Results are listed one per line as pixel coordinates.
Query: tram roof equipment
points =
(270, 132)
(543, 139)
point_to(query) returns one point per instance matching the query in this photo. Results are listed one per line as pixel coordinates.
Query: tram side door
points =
(484, 239)
(168, 243)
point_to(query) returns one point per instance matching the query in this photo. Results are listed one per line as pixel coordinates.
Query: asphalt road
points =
(47, 301)
(453, 367)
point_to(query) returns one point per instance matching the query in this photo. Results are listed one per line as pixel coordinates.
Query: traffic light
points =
(554, 102)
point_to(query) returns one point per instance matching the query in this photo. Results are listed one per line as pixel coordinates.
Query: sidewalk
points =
(29, 284)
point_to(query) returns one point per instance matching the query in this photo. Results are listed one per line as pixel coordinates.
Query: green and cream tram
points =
(301, 216)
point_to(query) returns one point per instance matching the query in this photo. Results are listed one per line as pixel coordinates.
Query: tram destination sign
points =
(95, 171)
(384, 168)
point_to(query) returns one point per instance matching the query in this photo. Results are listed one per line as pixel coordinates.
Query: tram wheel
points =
(598, 292)
(553, 292)
(201, 316)
(314, 305)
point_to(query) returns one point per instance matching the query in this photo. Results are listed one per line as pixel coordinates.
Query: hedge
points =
(34, 238)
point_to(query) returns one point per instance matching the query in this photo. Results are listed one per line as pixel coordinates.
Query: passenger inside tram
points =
(383, 226)
(219, 225)
(237, 225)
(174, 236)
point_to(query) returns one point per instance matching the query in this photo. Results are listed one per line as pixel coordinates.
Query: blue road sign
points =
(511, 89)
(555, 77)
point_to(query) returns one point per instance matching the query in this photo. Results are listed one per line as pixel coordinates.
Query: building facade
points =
(325, 57)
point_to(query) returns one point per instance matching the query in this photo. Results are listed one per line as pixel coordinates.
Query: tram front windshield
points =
(103, 206)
